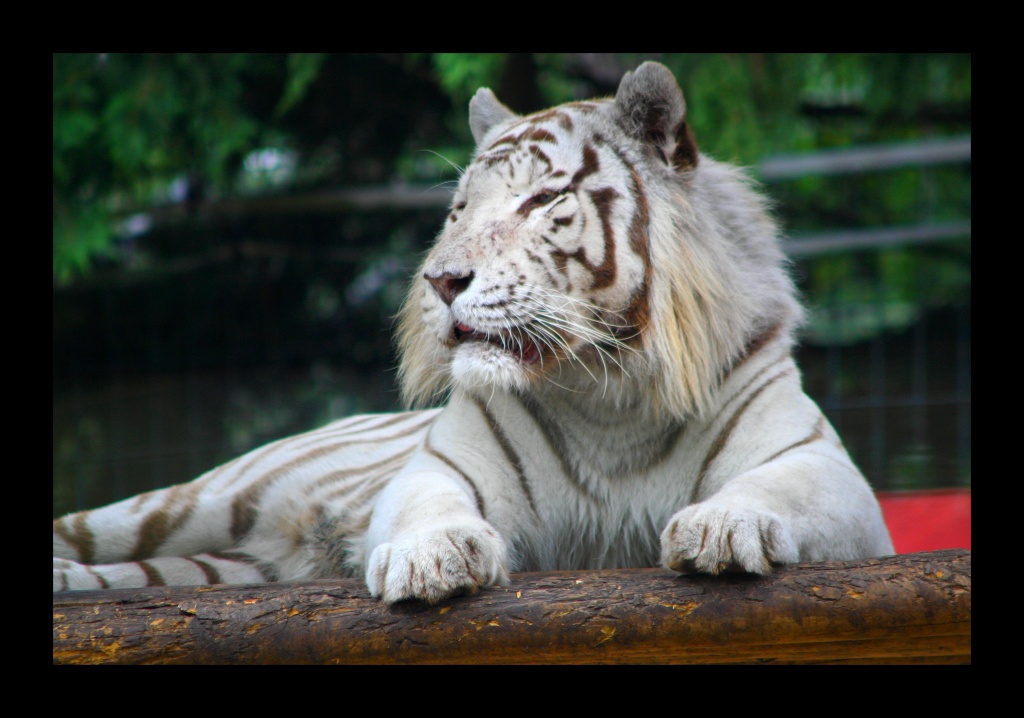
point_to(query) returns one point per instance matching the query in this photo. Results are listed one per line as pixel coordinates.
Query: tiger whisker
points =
(596, 314)
(454, 166)
(583, 330)
(550, 335)
(554, 327)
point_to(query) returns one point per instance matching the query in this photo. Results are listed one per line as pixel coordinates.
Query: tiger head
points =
(592, 245)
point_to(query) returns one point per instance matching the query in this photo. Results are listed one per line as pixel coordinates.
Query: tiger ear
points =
(651, 108)
(486, 111)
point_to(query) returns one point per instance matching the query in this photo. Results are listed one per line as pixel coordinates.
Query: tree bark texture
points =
(912, 608)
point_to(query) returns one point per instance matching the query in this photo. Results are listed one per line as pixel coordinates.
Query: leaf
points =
(303, 69)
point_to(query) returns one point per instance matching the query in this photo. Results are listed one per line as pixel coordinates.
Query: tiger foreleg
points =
(797, 508)
(428, 541)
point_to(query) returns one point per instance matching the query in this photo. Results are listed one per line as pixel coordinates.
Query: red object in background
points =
(928, 520)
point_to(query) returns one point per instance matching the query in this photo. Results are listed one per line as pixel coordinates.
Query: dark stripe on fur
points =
(302, 439)
(638, 315)
(537, 153)
(555, 440)
(245, 507)
(589, 165)
(538, 134)
(755, 378)
(685, 154)
(153, 577)
(161, 523)
(266, 569)
(531, 134)
(103, 582)
(606, 272)
(754, 345)
(389, 462)
(561, 117)
(810, 438)
(510, 140)
(510, 453)
(664, 450)
(396, 419)
(359, 422)
(211, 573)
(451, 465)
(723, 435)
(79, 536)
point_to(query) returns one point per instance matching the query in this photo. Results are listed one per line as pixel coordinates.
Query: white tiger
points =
(611, 317)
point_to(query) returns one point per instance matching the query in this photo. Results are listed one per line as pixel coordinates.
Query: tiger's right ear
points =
(485, 111)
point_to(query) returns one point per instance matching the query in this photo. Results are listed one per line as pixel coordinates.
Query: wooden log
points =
(912, 608)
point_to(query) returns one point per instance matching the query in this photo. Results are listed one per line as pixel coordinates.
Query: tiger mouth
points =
(521, 347)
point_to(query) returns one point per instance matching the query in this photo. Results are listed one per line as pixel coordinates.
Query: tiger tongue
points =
(463, 333)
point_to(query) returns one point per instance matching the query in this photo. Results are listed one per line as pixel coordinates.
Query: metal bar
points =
(899, 402)
(808, 245)
(863, 159)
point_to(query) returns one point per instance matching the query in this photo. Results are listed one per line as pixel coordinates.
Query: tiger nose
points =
(449, 285)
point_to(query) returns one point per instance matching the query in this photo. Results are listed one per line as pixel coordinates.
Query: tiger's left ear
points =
(485, 111)
(651, 109)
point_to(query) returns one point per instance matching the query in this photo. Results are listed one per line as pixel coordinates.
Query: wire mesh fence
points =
(161, 379)
(901, 400)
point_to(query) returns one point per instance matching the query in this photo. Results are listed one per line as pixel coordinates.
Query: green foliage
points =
(462, 73)
(125, 126)
(746, 106)
(303, 68)
(80, 234)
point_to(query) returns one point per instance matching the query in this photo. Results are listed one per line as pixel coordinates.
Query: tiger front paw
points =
(435, 564)
(711, 539)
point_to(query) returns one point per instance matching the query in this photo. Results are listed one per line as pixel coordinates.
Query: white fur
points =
(664, 422)
(718, 281)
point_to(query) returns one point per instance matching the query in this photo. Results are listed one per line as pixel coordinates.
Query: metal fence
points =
(900, 398)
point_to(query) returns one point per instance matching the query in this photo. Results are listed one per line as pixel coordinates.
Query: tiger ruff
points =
(610, 316)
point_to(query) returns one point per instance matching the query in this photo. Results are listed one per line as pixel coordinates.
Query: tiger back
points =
(608, 318)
